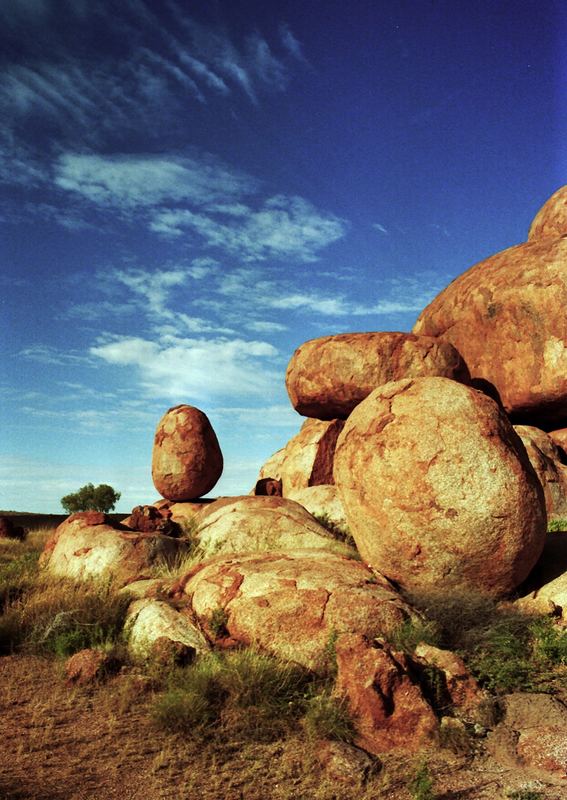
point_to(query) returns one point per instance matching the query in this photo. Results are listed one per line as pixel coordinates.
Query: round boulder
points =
(187, 460)
(506, 318)
(260, 524)
(328, 377)
(551, 220)
(438, 490)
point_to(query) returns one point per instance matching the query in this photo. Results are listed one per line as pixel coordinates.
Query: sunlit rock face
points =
(506, 317)
(550, 222)
(438, 490)
(260, 524)
(328, 377)
(86, 547)
(307, 459)
(293, 604)
(187, 460)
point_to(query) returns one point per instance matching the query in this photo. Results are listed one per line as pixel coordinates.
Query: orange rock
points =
(328, 377)
(462, 689)
(307, 459)
(387, 705)
(506, 318)
(551, 220)
(294, 605)
(438, 490)
(546, 460)
(559, 439)
(82, 551)
(86, 666)
(187, 461)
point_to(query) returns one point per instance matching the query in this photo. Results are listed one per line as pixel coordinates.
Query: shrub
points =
(217, 622)
(412, 632)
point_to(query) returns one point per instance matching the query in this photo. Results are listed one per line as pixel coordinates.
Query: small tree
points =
(91, 498)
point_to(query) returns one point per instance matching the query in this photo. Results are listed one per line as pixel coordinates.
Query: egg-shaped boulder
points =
(327, 377)
(506, 317)
(187, 460)
(438, 490)
(550, 222)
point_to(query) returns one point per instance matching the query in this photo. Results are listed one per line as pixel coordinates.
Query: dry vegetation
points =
(237, 725)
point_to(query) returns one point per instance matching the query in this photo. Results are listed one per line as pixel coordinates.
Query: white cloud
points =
(128, 181)
(261, 326)
(381, 228)
(289, 41)
(284, 227)
(186, 369)
(45, 354)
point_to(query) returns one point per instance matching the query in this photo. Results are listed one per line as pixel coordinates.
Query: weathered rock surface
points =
(546, 460)
(259, 524)
(187, 460)
(559, 439)
(307, 459)
(505, 316)
(294, 605)
(438, 490)
(550, 222)
(532, 734)
(328, 377)
(86, 547)
(545, 591)
(461, 688)
(150, 623)
(87, 666)
(149, 519)
(346, 763)
(384, 699)
(322, 500)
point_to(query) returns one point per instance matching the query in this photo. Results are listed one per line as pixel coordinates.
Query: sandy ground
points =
(59, 743)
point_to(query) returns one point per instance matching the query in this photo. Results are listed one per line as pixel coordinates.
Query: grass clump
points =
(412, 632)
(327, 717)
(339, 532)
(504, 649)
(242, 693)
(556, 525)
(61, 618)
(421, 785)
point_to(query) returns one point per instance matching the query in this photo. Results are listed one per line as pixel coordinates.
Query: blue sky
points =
(188, 191)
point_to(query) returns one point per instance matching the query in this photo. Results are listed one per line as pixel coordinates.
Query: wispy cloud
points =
(127, 182)
(284, 227)
(45, 354)
(194, 369)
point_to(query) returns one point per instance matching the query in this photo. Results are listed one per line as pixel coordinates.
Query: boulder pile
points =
(410, 447)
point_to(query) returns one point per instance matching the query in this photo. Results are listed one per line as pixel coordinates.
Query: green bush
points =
(339, 532)
(91, 498)
(555, 525)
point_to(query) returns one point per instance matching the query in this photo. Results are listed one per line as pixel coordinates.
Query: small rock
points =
(86, 667)
(346, 763)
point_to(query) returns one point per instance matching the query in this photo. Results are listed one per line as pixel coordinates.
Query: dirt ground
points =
(60, 743)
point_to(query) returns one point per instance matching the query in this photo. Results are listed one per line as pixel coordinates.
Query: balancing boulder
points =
(506, 316)
(438, 490)
(187, 460)
(328, 377)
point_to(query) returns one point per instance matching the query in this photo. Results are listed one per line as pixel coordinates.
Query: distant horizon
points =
(188, 194)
